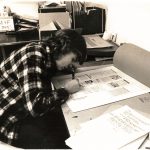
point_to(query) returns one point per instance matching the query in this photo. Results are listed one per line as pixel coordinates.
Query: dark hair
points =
(68, 40)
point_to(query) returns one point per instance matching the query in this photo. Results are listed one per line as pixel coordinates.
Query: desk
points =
(15, 40)
(74, 119)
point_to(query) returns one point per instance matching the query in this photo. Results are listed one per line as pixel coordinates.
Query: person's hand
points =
(72, 86)
(62, 96)
(63, 93)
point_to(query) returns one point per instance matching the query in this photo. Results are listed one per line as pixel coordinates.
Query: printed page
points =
(112, 130)
(104, 86)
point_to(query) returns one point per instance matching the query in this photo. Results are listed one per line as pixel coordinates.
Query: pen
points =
(73, 74)
(144, 141)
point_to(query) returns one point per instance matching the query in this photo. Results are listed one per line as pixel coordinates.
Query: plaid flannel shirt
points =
(23, 87)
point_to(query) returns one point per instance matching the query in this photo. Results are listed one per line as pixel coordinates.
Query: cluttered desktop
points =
(110, 96)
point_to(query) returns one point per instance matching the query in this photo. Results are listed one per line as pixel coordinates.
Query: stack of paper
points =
(121, 129)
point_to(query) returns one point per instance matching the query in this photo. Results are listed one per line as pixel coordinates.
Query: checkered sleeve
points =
(33, 81)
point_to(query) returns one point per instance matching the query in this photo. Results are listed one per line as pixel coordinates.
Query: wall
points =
(24, 8)
(129, 19)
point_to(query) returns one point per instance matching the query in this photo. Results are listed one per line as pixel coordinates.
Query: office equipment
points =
(98, 47)
(102, 52)
(103, 86)
(95, 41)
(91, 21)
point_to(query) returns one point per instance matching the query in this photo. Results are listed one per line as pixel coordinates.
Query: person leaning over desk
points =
(25, 79)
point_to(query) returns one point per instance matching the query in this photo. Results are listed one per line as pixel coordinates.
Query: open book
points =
(113, 83)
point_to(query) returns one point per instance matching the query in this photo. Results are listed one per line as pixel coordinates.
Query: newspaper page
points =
(113, 130)
(103, 86)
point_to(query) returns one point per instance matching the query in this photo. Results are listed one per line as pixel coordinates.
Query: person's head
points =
(66, 47)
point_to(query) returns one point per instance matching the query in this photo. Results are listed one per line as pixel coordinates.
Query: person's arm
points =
(33, 82)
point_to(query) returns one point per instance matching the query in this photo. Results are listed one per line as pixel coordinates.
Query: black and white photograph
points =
(74, 74)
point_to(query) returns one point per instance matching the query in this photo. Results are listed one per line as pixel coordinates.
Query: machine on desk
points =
(98, 47)
(90, 22)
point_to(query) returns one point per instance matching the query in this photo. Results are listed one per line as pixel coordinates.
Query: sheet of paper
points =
(50, 26)
(4, 146)
(134, 145)
(104, 86)
(111, 131)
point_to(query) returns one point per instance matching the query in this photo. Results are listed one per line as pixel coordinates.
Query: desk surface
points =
(74, 119)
